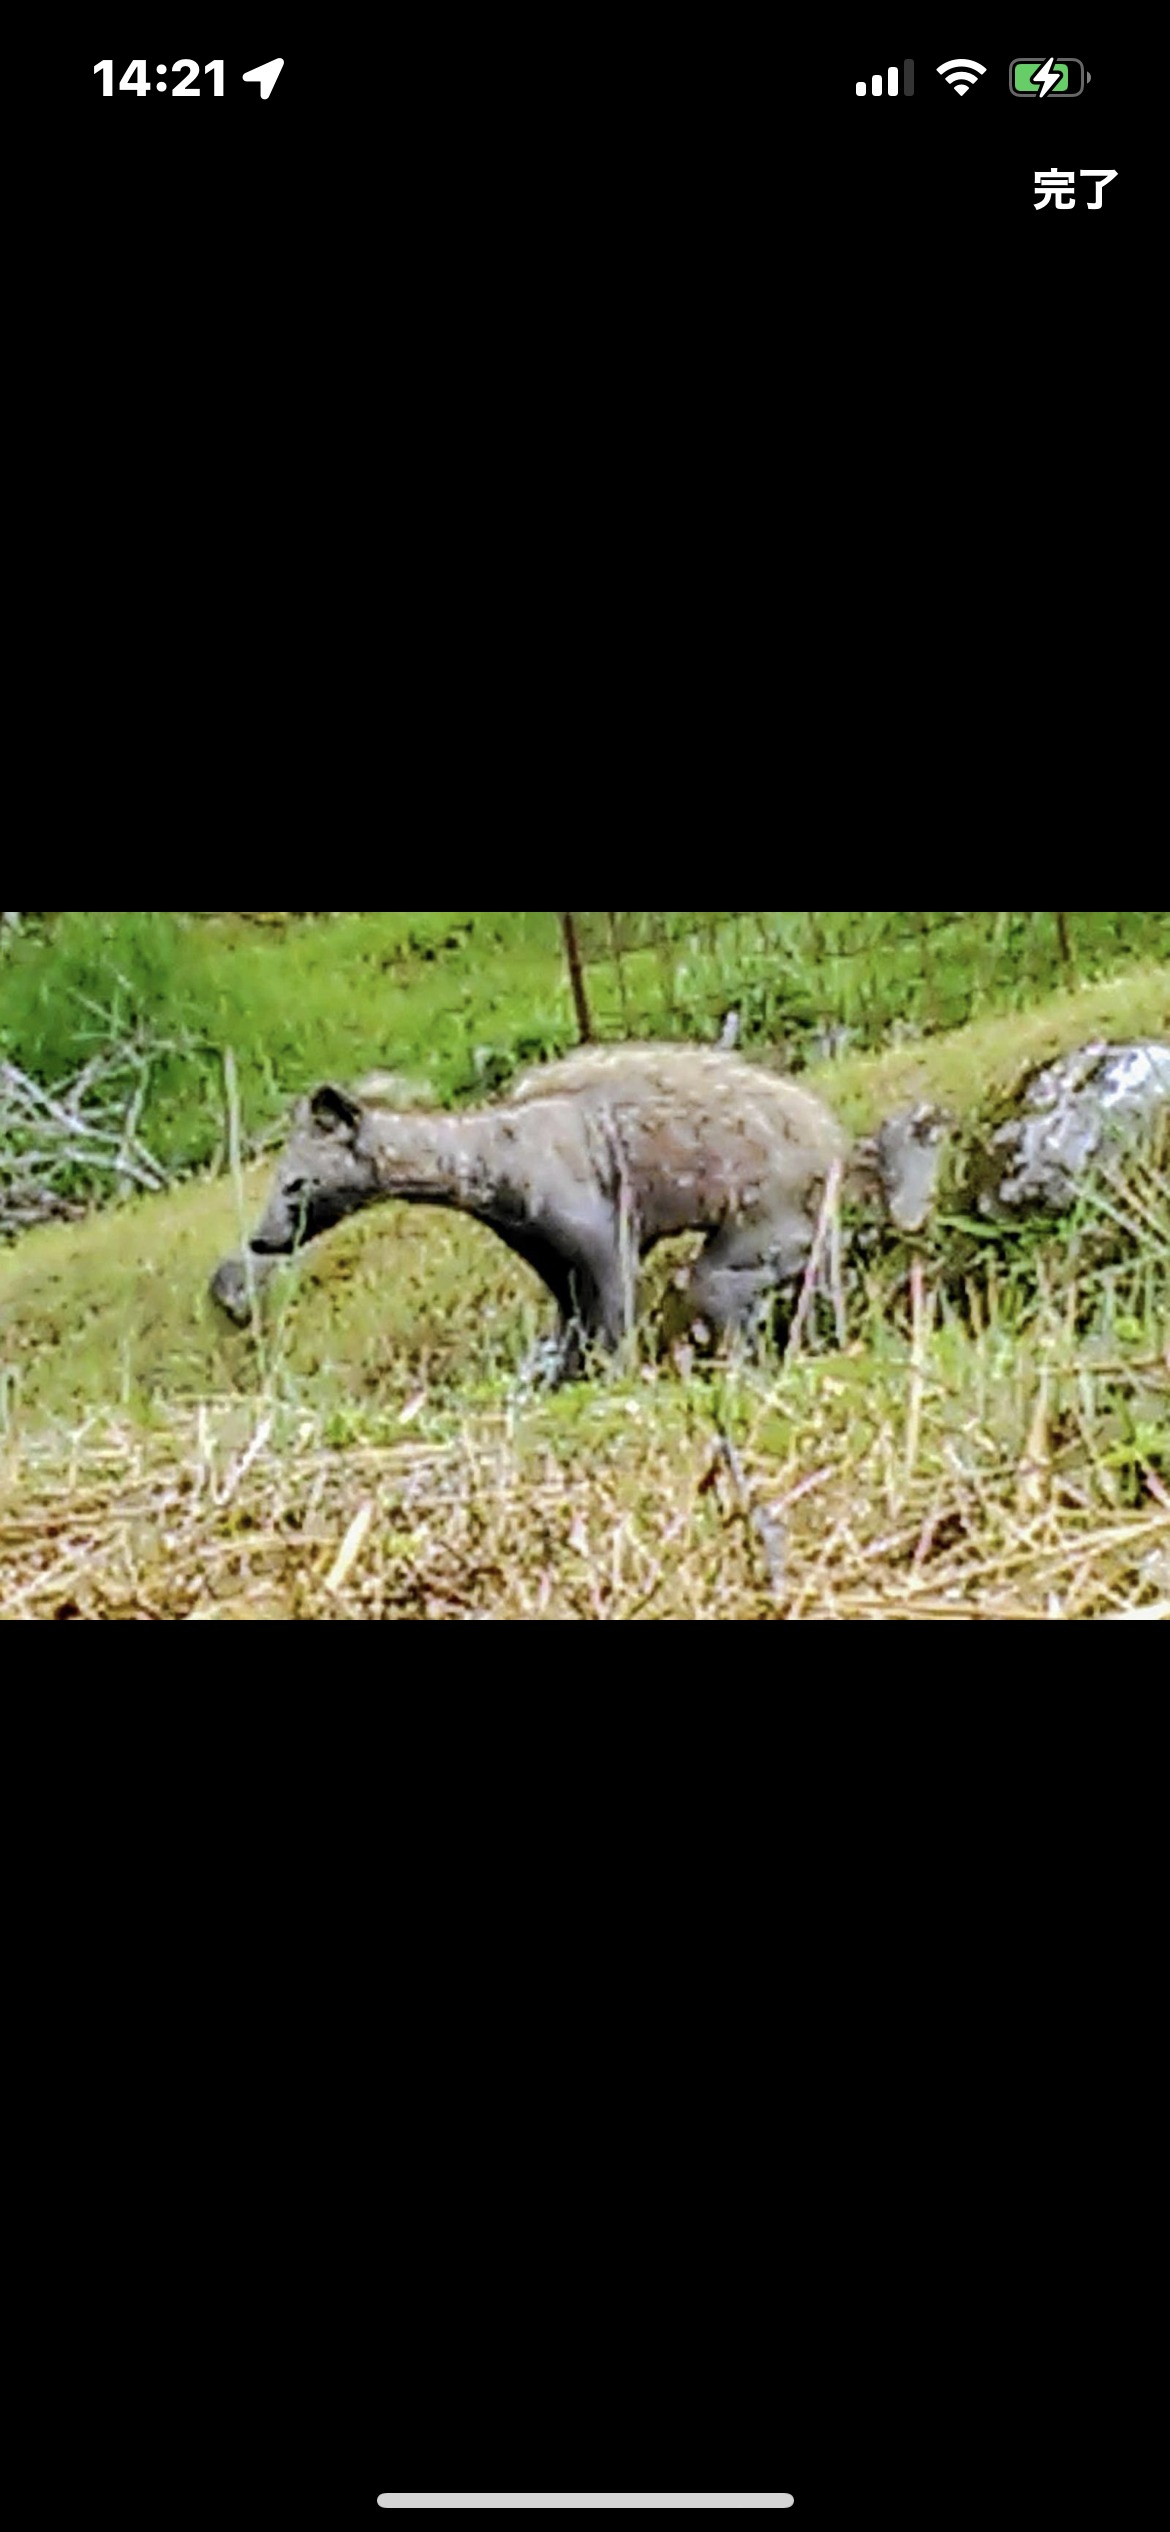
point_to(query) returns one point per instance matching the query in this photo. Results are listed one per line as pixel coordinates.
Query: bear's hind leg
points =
(741, 1269)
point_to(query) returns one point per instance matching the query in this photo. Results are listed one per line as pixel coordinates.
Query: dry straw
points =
(209, 1520)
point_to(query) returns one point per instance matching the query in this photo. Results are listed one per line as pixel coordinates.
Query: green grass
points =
(791, 975)
(115, 1308)
(296, 1005)
(458, 1000)
(972, 1068)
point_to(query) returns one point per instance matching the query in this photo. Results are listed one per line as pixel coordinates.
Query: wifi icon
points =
(961, 75)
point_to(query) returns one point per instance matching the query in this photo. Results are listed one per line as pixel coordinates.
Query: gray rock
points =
(1080, 1111)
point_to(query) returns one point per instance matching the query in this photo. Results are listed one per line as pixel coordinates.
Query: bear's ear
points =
(334, 1110)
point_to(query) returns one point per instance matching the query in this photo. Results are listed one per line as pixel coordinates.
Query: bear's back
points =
(700, 1083)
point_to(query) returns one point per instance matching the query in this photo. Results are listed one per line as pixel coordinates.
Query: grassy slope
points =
(114, 1309)
(974, 1066)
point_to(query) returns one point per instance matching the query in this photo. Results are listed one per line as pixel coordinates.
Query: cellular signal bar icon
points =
(891, 87)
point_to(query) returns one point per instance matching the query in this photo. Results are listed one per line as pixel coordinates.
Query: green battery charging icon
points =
(1058, 76)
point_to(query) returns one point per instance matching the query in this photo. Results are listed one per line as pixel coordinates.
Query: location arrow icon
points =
(267, 75)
